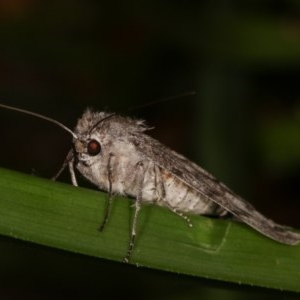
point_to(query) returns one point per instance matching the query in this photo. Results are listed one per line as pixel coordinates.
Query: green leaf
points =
(62, 216)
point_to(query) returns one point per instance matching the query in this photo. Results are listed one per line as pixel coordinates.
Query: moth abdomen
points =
(186, 199)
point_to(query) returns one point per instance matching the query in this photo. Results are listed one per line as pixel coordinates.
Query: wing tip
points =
(285, 236)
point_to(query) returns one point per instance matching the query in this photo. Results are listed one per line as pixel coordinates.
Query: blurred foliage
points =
(280, 141)
(241, 57)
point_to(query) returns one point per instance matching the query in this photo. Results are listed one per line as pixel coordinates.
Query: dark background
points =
(243, 124)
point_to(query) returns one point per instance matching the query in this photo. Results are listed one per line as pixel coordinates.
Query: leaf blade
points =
(64, 217)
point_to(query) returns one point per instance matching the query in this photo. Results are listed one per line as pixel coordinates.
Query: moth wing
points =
(204, 183)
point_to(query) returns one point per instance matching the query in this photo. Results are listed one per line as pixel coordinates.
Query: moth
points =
(117, 155)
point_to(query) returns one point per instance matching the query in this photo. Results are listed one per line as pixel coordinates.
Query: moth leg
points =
(179, 213)
(159, 184)
(110, 196)
(72, 172)
(137, 207)
(60, 171)
(160, 188)
(65, 164)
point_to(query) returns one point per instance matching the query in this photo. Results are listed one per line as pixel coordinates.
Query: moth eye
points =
(93, 147)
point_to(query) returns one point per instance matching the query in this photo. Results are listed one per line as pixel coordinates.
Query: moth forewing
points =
(116, 155)
(203, 187)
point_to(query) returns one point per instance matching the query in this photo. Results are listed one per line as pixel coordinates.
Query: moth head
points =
(90, 147)
(87, 143)
(87, 150)
(99, 133)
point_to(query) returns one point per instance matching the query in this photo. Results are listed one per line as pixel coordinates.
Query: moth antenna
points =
(146, 105)
(105, 118)
(150, 103)
(192, 93)
(40, 117)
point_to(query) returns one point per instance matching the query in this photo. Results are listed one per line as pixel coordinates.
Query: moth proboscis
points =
(115, 154)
